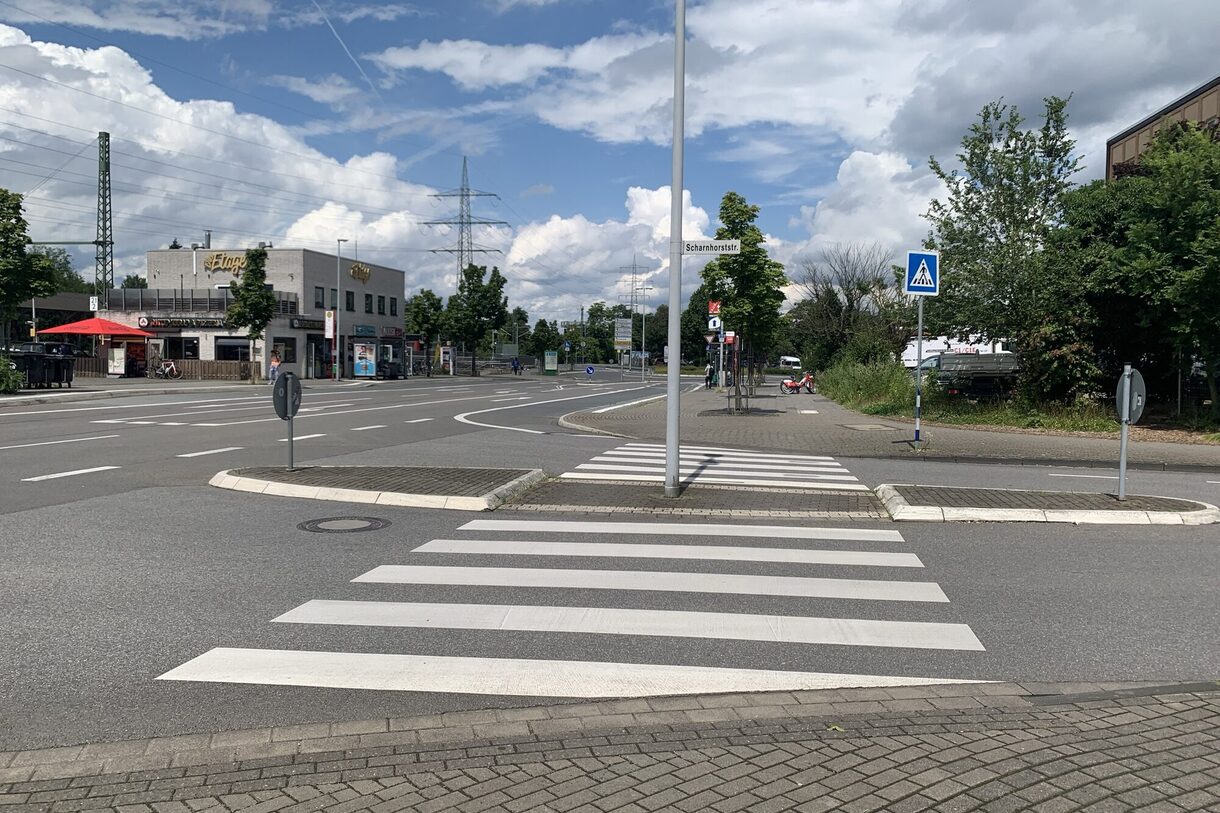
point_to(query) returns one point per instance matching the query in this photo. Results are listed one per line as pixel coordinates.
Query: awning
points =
(96, 326)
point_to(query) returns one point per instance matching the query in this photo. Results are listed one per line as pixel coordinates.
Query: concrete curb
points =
(485, 502)
(902, 511)
(567, 424)
(71, 396)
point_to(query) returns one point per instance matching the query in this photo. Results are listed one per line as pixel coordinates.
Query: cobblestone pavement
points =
(973, 747)
(449, 481)
(1048, 500)
(592, 497)
(814, 424)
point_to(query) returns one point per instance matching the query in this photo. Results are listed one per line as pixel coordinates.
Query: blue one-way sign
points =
(923, 273)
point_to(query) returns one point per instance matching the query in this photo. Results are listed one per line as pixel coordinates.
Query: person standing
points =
(516, 366)
(274, 370)
(708, 372)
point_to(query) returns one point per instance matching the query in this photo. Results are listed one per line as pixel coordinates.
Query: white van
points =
(790, 362)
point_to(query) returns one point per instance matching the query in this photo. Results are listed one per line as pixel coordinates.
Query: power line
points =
(465, 249)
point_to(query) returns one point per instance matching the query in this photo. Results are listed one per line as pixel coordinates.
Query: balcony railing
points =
(188, 300)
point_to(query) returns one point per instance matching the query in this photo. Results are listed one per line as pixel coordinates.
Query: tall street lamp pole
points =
(672, 371)
(335, 358)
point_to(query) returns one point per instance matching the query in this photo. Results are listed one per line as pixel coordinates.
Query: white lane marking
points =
(740, 457)
(172, 423)
(418, 420)
(1088, 476)
(303, 437)
(713, 480)
(613, 407)
(321, 407)
(721, 450)
(719, 471)
(515, 398)
(142, 423)
(54, 442)
(808, 411)
(662, 581)
(718, 463)
(683, 529)
(204, 411)
(505, 676)
(124, 406)
(629, 550)
(617, 621)
(363, 428)
(211, 451)
(465, 416)
(206, 424)
(1213, 482)
(359, 410)
(67, 474)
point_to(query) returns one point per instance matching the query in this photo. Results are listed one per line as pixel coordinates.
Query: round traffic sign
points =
(589, 370)
(1138, 396)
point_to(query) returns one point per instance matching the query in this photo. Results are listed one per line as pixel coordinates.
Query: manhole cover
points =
(344, 525)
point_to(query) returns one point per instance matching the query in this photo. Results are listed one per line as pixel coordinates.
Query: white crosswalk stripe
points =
(611, 609)
(709, 465)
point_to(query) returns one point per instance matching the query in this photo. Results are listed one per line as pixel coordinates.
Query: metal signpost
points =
(922, 279)
(286, 396)
(1130, 396)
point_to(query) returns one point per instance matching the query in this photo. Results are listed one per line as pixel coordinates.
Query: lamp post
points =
(672, 381)
(643, 331)
(337, 362)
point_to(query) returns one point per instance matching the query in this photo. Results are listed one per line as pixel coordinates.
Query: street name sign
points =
(923, 274)
(711, 247)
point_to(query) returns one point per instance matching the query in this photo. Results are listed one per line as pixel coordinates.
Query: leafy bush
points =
(869, 387)
(10, 379)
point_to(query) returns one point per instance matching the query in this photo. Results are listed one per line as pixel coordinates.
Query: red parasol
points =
(96, 326)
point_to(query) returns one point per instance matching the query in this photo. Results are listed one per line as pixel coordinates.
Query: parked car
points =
(975, 375)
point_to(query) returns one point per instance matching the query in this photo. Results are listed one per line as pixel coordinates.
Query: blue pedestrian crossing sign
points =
(923, 273)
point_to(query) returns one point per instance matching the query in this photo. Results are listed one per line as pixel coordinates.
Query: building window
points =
(232, 348)
(393, 306)
(334, 299)
(286, 346)
(319, 297)
(381, 306)
(349, 300)
(179, 347)
(368, 303)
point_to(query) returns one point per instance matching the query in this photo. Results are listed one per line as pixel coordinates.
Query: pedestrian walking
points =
(708, 372)
(274, 367)
(516, 366)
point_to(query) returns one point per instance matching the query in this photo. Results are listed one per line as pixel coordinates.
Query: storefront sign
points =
(392, 332)
(330, 324)
(179, 322)
(219, 261)
(361, 272)
(364, 330)
(301, 323)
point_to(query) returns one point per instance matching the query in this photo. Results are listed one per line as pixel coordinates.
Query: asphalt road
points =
(116, 578)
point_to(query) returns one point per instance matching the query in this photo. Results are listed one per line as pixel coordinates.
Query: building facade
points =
(189, 292)
(1201, 105)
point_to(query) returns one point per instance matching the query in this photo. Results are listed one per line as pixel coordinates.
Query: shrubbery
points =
(10, 379)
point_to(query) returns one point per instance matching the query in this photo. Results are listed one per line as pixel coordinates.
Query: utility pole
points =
(103, 278)
(672, 371)
(465, 221)
(643, 329)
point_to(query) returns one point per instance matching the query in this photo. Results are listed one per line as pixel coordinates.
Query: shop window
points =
(368, 303)
(381, 306)
(319, 297)
(393, 306)
(180, 347)
(349, 300)
(232, 348)
(286, 346)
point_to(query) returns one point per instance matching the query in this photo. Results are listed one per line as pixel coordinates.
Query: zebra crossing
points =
(717, 585)
(713, 465)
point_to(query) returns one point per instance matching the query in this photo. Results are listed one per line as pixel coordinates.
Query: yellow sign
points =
(361, 272)
(219, 261)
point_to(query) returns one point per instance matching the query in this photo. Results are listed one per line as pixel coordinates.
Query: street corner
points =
(454, 488)
(919, 503)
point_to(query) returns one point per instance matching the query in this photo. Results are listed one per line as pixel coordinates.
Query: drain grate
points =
(344, 525)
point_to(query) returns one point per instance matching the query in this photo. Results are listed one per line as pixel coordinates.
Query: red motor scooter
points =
(791, 386)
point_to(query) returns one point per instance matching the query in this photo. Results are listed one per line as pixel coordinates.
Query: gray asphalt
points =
(113, 579)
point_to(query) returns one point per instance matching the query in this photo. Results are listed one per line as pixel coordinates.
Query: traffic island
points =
(462, 489)
(953, 504)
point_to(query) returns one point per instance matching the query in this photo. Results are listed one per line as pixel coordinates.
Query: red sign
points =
(713, 307)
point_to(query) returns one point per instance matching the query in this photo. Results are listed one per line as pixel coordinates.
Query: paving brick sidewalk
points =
(446, 480)
(781, 426)
(1046, 500)
(980, 747)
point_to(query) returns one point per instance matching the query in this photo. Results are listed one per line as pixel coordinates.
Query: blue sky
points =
(823, 112)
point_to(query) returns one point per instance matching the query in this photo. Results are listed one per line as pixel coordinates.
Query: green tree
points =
(21, 276)
(992, 231)
(749, 284)
(63, 277)
(545, 336)
(478, 307)
(519, 327)
(424, 315)
(656, 331)
(253, 305)
(134, 281)
(693, 328)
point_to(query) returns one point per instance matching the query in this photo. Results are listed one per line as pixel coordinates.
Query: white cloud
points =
(327, 90)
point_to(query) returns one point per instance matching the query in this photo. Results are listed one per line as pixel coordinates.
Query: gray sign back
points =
(286, 395)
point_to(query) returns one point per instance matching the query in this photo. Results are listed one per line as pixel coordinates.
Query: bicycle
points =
(167, 369)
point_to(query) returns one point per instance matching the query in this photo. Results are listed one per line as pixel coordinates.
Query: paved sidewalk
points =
(979, 747)
(948, 504)
(812, 424)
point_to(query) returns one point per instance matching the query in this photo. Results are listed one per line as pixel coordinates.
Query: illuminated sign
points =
(177, 322)
(219, 261)
(361, 272)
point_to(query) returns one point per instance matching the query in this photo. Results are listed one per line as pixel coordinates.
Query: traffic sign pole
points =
(1124, 407)
(919, 370)
(673, 370)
